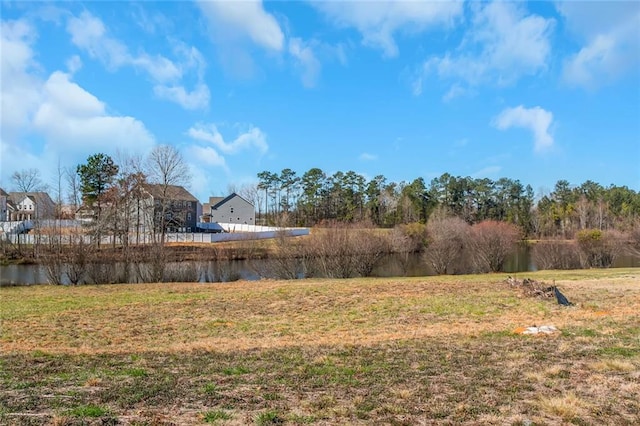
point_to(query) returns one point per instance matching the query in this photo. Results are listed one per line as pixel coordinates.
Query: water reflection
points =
(212, 271)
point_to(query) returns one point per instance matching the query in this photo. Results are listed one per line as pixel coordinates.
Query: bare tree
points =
(250, 192)
(447, 236)
(73, 187)
(369, 248)
(166, 167)
(634, 240)
(556, 253)
(343, 251)
(599, 249)
(28, 180)
(490, 243)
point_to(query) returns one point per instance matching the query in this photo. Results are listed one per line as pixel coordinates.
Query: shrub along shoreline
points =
(448, 245)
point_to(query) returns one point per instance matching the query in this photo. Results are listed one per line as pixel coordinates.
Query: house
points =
(180, 208)
(3, 205)
(20, 206)
(231, 209)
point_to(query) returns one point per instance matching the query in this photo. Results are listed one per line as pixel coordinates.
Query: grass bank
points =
(433, 350)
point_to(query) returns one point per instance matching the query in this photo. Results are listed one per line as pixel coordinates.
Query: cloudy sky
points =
(535, 91)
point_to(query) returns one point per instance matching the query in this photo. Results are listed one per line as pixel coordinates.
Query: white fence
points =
(182, 237)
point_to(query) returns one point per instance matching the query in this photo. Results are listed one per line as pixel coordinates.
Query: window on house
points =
(189, 216)
(231, 209)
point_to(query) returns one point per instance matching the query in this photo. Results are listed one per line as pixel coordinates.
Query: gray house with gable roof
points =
(231, 209)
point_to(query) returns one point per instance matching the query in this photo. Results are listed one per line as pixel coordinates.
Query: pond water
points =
(390, 266)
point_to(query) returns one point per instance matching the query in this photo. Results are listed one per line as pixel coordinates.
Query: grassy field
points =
(400, 351)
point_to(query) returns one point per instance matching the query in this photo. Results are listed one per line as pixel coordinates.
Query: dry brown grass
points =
(274, 314)
(359, 351)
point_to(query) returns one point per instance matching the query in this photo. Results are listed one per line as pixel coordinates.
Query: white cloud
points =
(70, 118)
(378, 21)
(611, 33)
(535, 119)
(235, 20)
(455, 91)
(46, 119)
(207, 155)
(196, 99)
(365, 156)
(487, 172)
(253, 138)
(90, 34)
(213, 153)
(74, 63)
(503, 44)
(306, 61)
(18, 67)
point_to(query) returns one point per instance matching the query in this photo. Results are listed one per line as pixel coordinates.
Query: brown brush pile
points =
(532, 288)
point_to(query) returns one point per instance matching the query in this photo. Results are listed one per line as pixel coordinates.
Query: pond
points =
(390, 266)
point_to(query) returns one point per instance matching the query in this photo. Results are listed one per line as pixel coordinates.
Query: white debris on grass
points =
(543, 329)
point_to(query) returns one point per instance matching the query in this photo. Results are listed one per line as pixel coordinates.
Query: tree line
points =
(316, 197)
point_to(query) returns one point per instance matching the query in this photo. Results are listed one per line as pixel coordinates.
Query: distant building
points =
(21, 206)
(181, 208)
(231, 209)
(3, 205)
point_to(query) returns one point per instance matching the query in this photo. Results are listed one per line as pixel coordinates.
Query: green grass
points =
(136, 372)
(436, 350)
(216, 415)
(269, 418)
(88, 411)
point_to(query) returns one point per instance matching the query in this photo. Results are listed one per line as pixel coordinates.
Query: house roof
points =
(226, 199)
(36, 197)
(173, 192)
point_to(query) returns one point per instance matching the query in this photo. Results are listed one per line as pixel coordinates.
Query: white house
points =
(19, 206)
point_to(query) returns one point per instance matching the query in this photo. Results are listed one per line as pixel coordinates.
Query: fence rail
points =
(182, 237)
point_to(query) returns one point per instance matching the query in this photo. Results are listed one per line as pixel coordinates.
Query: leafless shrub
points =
(101, 273)
(447, 236)
(343, 251)
(54, 268)
(77, 257)
(150, 263)
(181, 272)
(599, 249)
(633, 237)
(556, 254)
(332, 253)
(415, 236)
(369, 248)
(288, 260)
(490, 242)
(401, 244)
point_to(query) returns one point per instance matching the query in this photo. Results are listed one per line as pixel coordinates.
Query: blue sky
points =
(535, 91)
